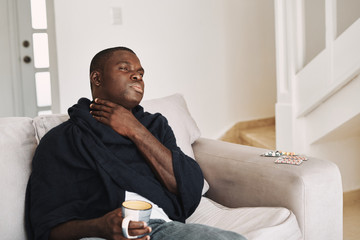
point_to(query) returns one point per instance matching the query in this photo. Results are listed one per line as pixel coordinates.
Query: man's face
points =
(122, 79)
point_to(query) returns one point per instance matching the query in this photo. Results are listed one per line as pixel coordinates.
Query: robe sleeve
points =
(188, 174)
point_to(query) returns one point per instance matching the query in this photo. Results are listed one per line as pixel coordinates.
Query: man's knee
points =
(177, 230)
(211, 233)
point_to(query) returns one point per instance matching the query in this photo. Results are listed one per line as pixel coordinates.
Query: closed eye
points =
(123, 68)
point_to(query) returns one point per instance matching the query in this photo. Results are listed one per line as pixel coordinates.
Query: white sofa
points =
(248, 193)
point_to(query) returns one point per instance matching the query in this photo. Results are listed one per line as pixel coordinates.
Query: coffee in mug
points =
(134, 210)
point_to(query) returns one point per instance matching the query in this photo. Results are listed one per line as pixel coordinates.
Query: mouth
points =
(137, 88)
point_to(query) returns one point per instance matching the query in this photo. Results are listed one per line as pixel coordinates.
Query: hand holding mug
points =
(134, 210)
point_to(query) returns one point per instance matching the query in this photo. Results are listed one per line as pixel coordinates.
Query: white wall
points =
(219, 54)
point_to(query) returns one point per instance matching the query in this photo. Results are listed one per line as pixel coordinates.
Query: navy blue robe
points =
(82, 168)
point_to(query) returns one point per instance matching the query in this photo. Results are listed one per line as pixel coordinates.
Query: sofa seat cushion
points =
(255, 223)
(18, 143)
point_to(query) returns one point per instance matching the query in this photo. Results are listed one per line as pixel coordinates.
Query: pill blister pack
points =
(285, 157)
(278, 154)
(293, 160)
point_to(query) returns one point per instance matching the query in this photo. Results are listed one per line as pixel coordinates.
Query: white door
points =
(27, 84)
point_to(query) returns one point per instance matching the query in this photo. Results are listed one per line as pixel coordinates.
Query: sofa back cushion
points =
(175, 110)
(17, 146)
(46, 122)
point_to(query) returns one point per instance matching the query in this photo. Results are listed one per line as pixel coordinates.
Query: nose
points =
(136, 76)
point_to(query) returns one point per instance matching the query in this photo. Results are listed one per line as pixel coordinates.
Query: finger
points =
(102, 120)
(140, 238)
(100, 107)
(100, 116)
(99, 113)
(137, 224)
(138, 228)
(118, 212)
(139, 232)
(104, 102)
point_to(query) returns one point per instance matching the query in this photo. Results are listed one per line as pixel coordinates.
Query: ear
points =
(95, 78)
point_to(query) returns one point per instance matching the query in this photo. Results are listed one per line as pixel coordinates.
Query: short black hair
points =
(98, 61)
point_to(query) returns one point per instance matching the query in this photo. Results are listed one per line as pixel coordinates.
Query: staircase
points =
(327, 89)
(318, 103)
(258, 133)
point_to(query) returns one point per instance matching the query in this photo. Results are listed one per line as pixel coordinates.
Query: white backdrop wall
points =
(220, 54)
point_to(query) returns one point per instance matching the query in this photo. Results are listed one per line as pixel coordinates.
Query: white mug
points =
(134, 210)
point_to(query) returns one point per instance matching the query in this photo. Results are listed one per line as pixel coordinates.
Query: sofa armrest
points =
(239, 177)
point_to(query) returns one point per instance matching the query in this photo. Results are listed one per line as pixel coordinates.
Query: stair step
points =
(256, 133)
(263, 137)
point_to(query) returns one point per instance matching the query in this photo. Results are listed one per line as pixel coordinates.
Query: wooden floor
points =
(261, 133)
(352, 215)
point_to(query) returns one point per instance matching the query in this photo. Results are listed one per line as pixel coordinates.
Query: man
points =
(109, 151)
